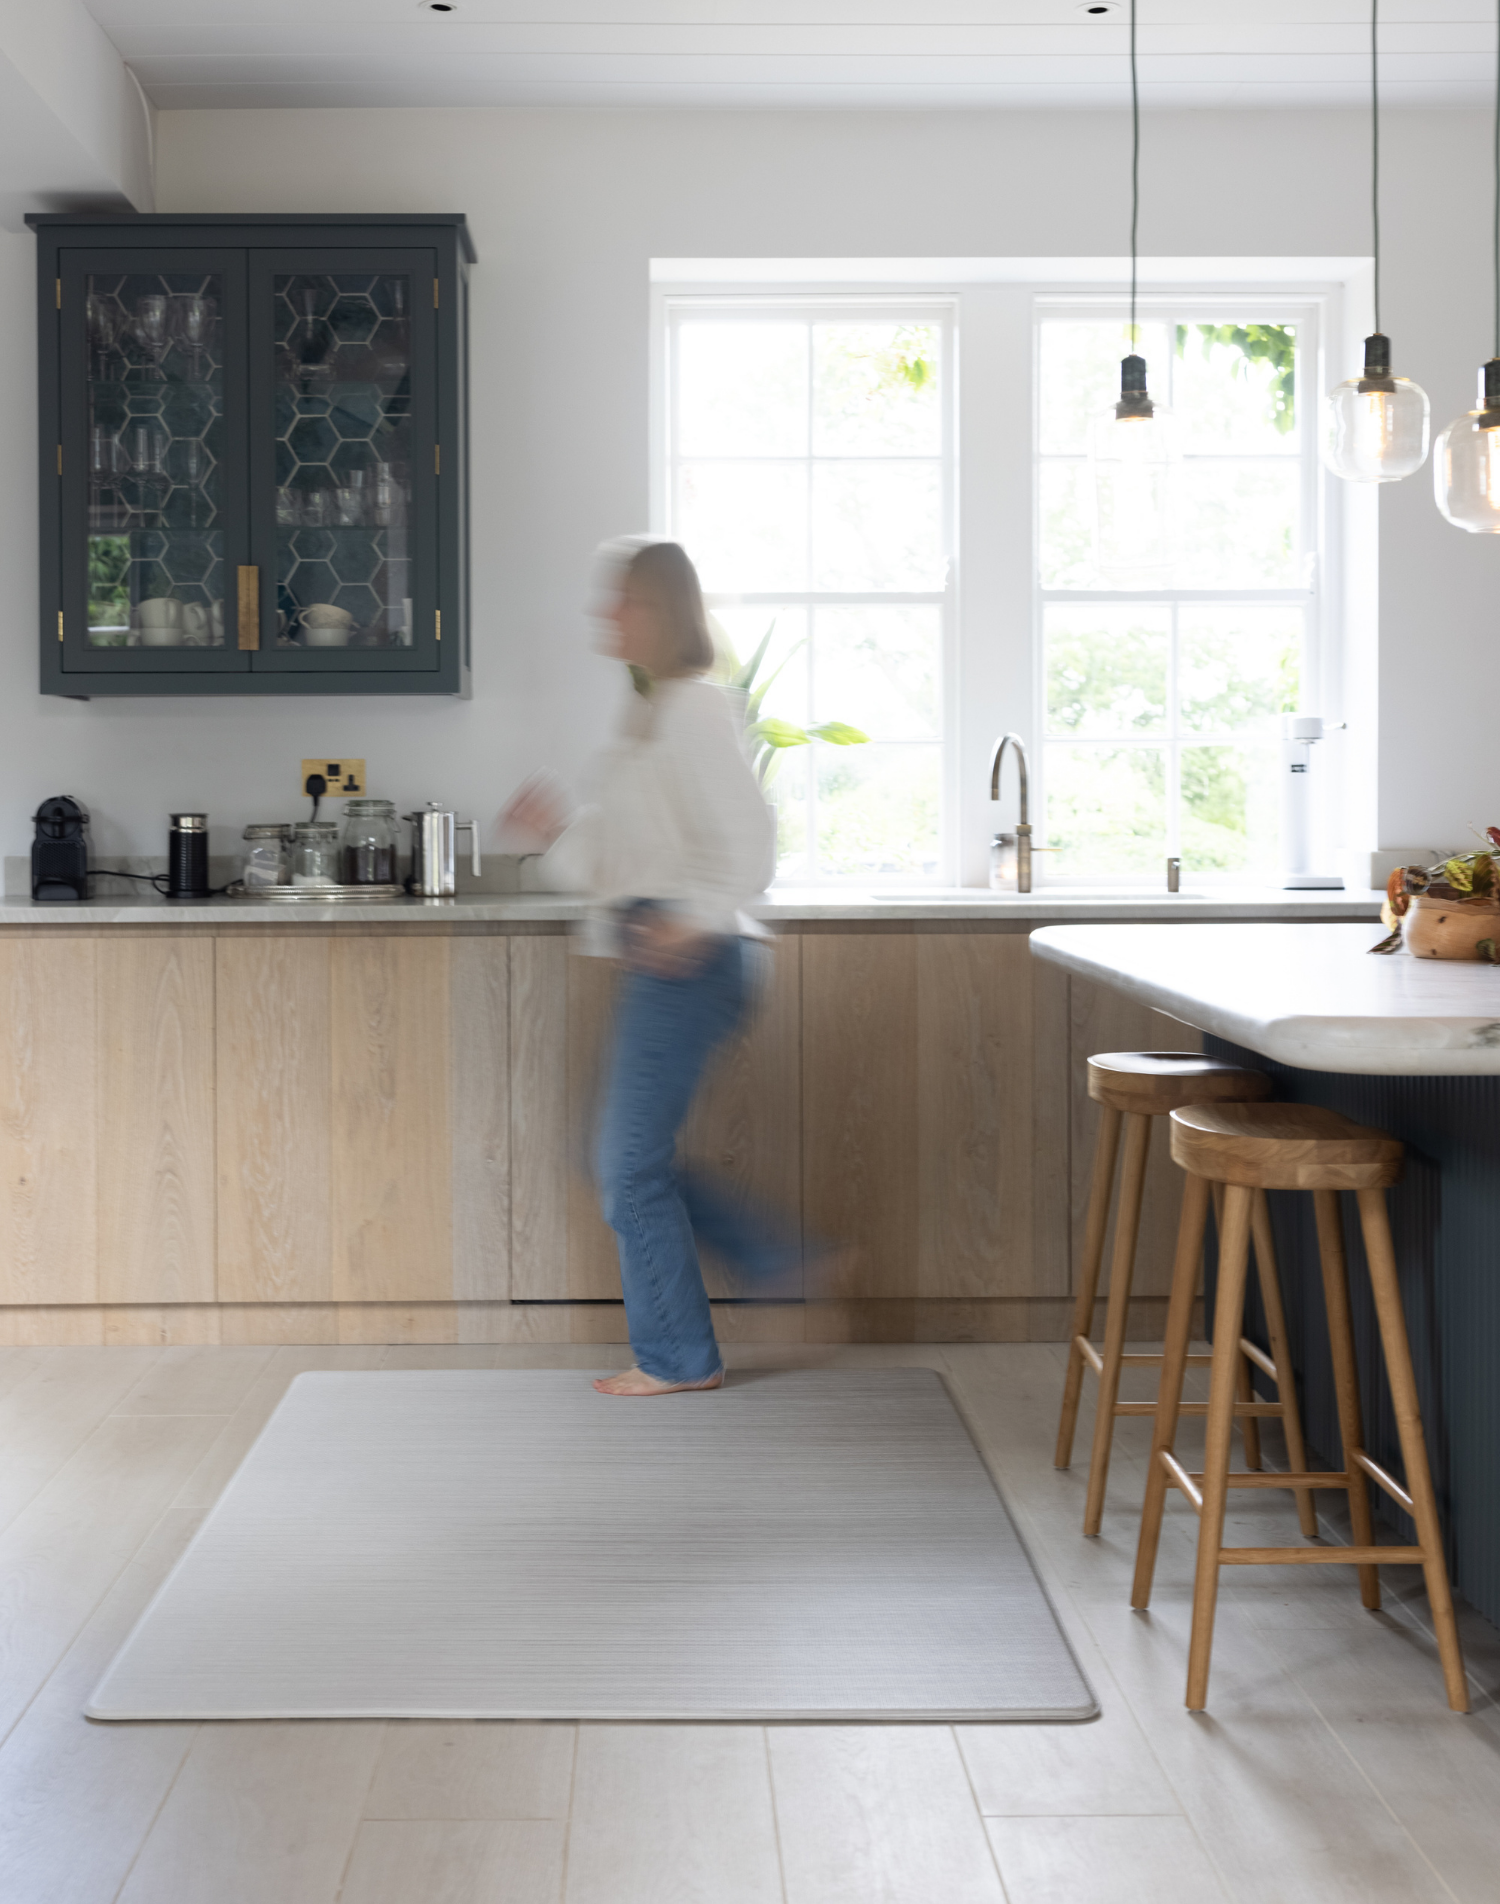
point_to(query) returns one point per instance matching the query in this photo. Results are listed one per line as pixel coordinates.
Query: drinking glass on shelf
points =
(109, 512)
(103, 317)
(192, 324)
(152, 330)
(349, 506)
(151, 482)
(288, 508)
(317, 508)
(197, 467)
(389, 498)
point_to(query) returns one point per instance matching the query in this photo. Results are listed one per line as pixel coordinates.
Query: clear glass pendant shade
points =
(1466, 462)
(1376, 426)
(1133, 458)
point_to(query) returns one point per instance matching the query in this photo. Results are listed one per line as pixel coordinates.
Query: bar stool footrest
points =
(1330, 1556)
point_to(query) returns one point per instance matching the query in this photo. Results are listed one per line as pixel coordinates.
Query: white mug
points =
(162, 611)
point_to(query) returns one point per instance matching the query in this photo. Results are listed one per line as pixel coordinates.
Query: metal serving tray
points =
(315, 895)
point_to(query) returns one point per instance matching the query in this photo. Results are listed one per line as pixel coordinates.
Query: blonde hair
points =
(662, 571)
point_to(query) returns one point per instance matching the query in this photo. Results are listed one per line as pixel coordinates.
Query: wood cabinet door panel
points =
(49, 1081)
(975, 1114)
(391, 1175)
(859, 1113)
(275, 1109)
(156, 1120)
(538, 1119)
(480, 1033)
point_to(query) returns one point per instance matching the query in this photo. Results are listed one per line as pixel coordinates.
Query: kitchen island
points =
(250, 1121)
(1411, 1046)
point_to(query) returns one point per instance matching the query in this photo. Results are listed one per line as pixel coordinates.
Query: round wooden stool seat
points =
(1152, 1083)
(1282, 1147)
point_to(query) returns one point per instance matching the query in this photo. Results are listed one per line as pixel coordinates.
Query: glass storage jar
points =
(315, 853)
(264, 860)
(369, 849)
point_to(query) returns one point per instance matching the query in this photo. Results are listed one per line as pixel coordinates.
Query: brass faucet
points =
(1023, 825)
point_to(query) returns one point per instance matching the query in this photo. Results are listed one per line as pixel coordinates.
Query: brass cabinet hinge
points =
(437, 622)
(59, 624)
(434, 294)
(59, 459)
(59, 294)
(437, 459)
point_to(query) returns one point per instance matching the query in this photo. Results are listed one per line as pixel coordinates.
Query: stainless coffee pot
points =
(434, 842)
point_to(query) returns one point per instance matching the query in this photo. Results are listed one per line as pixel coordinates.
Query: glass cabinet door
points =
(344, 460)
(151, 461)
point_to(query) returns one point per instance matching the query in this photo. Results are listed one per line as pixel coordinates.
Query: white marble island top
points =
(1308, 995)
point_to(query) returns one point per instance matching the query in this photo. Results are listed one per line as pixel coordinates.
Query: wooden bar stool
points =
(1134, 1087)
(1252, 1148)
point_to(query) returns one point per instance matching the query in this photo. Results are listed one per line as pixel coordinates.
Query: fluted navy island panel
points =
(1445, 1215)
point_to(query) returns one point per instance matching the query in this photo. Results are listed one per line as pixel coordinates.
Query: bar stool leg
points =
(1229, 1322)
(1281, 1355)
(1121, 1273)
(1082, 1327)
(1244, 1390)
(1375, 1223)
(1190, 1230)
(1346, 1380)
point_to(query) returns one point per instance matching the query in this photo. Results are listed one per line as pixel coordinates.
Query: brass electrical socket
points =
(344, 775)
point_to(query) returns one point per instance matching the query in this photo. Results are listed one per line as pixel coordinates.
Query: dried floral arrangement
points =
(1466, 878)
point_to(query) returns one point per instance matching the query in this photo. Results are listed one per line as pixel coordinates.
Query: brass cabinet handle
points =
(250, 608)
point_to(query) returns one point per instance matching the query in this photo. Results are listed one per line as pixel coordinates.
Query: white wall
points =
(567, 208)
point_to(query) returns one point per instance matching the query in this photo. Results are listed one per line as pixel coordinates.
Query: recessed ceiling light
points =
(1097, 7)
(438, 6)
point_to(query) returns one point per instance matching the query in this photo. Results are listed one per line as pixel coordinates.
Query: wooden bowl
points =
(1452, 928)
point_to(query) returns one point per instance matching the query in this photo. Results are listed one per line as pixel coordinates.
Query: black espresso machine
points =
(60, 851)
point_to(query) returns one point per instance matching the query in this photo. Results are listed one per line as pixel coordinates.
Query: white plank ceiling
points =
(778, 53)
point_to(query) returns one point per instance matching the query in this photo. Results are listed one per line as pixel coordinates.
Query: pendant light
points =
(1466, 465)
(1376, 425)
(1133, 445)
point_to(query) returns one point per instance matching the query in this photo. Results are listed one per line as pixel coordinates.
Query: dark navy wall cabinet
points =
(253, 454)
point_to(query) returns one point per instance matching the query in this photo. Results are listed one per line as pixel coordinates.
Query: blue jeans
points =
(666, 1029)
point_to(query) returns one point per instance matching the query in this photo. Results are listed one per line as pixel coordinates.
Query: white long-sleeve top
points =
(678, 817)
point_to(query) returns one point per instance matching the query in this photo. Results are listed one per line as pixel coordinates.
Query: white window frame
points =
(673, 309)
(991, 675)
(1187, 308)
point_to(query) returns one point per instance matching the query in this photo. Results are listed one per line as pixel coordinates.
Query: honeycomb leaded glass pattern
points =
(343, 473)
(155, 441)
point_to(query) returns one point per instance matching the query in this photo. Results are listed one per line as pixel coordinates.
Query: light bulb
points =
(1132, 462)
(1466, 463)
(1376, 425)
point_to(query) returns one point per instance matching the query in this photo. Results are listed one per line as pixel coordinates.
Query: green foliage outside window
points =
(1273, 344)
(109, 580)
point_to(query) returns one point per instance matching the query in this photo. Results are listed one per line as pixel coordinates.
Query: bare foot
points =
(635, 1381)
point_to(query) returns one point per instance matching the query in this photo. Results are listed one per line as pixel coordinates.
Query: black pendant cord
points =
(1375, 147)
(1497, 178)
(1135, 174)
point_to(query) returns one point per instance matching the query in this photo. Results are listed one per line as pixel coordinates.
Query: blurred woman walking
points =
(677, 843)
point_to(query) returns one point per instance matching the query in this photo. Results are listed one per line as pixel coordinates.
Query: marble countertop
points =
(1306, 994)
(790, 906)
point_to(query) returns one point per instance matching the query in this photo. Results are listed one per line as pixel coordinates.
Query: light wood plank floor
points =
(1327, 1769)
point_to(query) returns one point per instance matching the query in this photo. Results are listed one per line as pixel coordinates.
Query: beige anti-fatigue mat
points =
(511, 1545)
